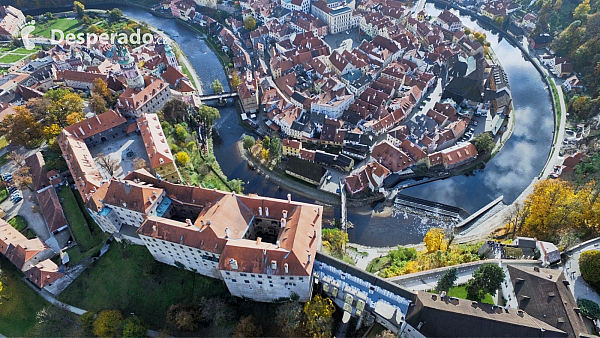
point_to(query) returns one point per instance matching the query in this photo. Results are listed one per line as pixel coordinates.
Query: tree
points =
(215, 311)
(73, 118)
(250, 23)
(486, 279)
(134, 328)
(319, 321)
(484, 143)
(248, 142)
(385, 334)
(39, 107)
(184, 317)
(79, 9)
(139, 163)
(87, 322)
(108, 323)
(447, 280)
(181, 133)
(275, 148)
(435, 239)
(208, 114)
(247, 328)
(580, 106)
(235, 80)
(264, 154)
(52, 131)
(21, 128)
(64, 103)
(115, 14)
(18, 158)
(97, 104)
(498, 21)
(289, 317)
(589, 261)
(183, 158)
(217, 87)
(467, 31)
(335, 241)
(108, 163)
(175, 111)
(266, 142)
(557, 5)
(582, 10)
(589, 308)
(99, 87)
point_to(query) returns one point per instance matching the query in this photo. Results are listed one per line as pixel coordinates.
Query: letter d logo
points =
(25, 37)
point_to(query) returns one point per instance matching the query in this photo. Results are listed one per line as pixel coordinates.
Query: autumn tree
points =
(184, 317)
(266, 142)
(250, 23)
(217, 87)
(247, 328)
(580, 107)
(589, 265)
(21, 127)
(17, 158)
(486, 279)
(435, 239)
(39, 107)
(52, 131)
(139, 163)
(264, 154)
(385, 334)
(484, 143)
(248, 142)
(319, 322)
(134, 328)
(108, 163)
(64, 103)
(557, 5)
(97, 104)
(79, 9)
(235, 80)
(335, 241)
(183, 158)
(447, 280)
(582, 10)
(100, 87)
(289, 316)
(73, 118)
(108, 323)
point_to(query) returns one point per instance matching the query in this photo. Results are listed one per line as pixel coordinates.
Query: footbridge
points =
(221, 96)
(361, 294)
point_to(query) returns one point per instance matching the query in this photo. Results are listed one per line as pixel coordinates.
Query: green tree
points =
(247, 328)
(335, 241)
(63, 104)
(589, 265)
(486, 279)
(266, 142)
(557, 5)
(589, 308)
(208, 114)
(115, 14)
(108, 323)
(175, 111)
(319, 322)
(87, 322)
(484, 143)
(580, 106)
(134, 328)
(249, 23)
(217, 87)
(275, 148)
(248, 142)
(181, 133)
(289, 316)
(447, 280)
(79, 9)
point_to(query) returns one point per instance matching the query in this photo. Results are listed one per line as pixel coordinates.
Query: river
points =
(507, 174)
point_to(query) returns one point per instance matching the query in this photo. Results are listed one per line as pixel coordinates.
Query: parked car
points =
(471, 130)
(17, 200)
(474, 123)
(12, 189)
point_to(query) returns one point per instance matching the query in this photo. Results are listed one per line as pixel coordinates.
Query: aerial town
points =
(281, 168)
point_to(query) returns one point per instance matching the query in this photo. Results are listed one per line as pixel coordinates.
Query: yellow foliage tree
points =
(264, 154)
(74, 118)
(319, 322)
(435, 240)
(52, 131)
(183, 158)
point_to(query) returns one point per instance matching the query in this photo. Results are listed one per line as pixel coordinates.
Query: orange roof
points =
(97, 124)
(131, 99)
(16, 247)
(134, 196)
(458, 153)
(80, 162)
(44, 273)
(155, 140)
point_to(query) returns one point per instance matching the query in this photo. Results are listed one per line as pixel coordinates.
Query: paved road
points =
(578, 286)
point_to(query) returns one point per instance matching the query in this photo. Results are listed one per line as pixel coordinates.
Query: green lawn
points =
(4, 158)
(18, 223)
(18, 302)
(461, 292)
(3, 194)
(66, 25)
(11, 58)
(128, 278)
(3, 141)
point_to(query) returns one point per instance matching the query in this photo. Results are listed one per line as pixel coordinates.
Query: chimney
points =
(258, 240)
(150, 199)
(285, 214)
(202, 222)
(289, 197)
(283, 222)
(233, 263)
(154, 228)
(277, 244)
(188, 222)
(286, 268)
(309, 257)
(274, 265)
(98, 119)
(267, 211)
(227, 232)
(260, 211)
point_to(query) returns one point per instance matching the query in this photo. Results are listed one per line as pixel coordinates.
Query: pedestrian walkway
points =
(50, 298)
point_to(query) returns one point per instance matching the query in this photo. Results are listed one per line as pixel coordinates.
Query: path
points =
(578, 286)
(558, 140)
(50, 298)
(184, 60)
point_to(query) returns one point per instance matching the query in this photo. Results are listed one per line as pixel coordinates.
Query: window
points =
(282, 278)
(228, 273)
(243, 274)
(259, 283)
(252, 275)
(247, 281)
(233, 281)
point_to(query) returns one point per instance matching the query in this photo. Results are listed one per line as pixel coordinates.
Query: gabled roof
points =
(52, 209)
(130, 195)
(155, 140)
